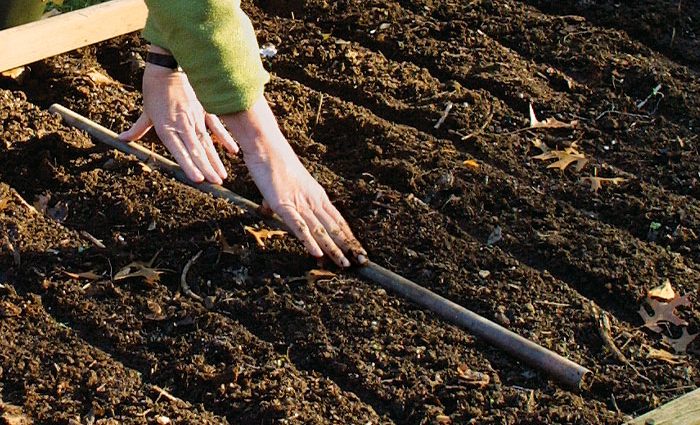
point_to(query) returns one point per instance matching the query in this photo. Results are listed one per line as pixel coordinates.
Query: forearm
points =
(214, 43)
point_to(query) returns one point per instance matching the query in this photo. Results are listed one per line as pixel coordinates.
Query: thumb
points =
(137, 131)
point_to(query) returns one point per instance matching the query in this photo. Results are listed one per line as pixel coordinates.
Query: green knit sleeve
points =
(214, 43)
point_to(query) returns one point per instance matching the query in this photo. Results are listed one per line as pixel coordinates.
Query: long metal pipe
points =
(538, 357)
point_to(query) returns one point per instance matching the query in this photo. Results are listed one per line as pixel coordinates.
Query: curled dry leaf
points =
(597, 182)
(472, 164)
(472, 377)
(7, 309)
(663, 312)
(564, 158)
(140, 269)
(443, 419)
(89, 275)
(100, 79)
(263, 234)
(663, 292)
(549, 122)
(225, 246)
(316, 275)
(680, 345)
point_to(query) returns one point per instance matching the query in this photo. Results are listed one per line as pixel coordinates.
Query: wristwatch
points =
(167, 61)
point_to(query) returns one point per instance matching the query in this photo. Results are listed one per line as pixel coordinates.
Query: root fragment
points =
(183, 279)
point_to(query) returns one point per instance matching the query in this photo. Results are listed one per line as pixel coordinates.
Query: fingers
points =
(220, 133)
(137, 130)
(171, 139)
(323, 239)
(199, 155)
(298, 225)
(211, 152)
(340, 232)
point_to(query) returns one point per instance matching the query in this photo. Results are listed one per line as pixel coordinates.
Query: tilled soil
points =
(358, 87)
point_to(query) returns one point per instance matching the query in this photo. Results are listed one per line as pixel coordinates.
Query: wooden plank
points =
(684, 410)
(62, 33)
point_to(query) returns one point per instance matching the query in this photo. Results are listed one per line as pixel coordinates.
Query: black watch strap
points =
(160, 59)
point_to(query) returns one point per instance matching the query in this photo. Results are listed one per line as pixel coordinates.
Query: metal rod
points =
(558, 367)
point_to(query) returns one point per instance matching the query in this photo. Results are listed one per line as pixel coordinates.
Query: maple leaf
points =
(549, 122)
(564, 158)
(663, 312)
(680, 345)
(663, 292)
(263, 234)
(597, 182)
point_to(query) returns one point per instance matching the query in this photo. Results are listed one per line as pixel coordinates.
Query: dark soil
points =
(358, 87)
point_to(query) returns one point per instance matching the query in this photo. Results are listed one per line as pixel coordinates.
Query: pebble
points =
(484, 274)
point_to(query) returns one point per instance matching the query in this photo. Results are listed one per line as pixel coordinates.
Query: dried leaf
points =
(597, 182)
(263, 234)
(140, 269)
(90, 275)
(663, 292)
(3, 204)
(549, 122)
(318, 275)
(663, 355)
(663, 312)
(473, 377)
(680, 345)
(564, 158)
(472, 164)
(100, 78)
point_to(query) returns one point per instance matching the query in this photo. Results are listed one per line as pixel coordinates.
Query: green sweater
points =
(214, 43)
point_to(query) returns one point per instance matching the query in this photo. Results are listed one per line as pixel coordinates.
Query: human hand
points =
(288, 188)
(171, 106)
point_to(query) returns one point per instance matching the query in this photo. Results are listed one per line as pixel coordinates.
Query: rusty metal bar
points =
(558, 367)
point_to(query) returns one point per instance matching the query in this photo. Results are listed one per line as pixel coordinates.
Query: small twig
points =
(552, 303)
(183, 279)
(445, 113)
(604, 330)
(162, 393)
(98, 243)
(318, 111)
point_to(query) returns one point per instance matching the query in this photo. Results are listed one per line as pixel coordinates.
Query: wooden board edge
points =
(38, 40)
(684, 410)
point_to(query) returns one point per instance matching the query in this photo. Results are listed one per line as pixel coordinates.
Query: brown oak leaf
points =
(680, 345)
(263, 234)
(564, 158)
(663, 312)
(141, 269)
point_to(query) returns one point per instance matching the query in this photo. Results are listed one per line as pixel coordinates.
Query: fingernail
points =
(345, 262)
(362, 259)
